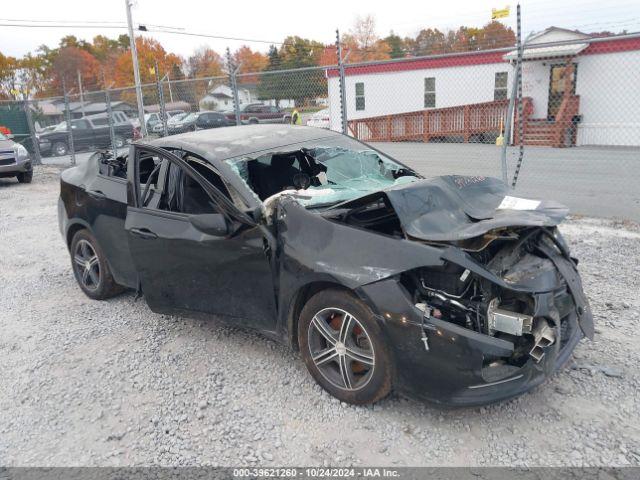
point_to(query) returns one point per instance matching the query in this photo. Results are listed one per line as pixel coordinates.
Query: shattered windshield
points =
(320, 173)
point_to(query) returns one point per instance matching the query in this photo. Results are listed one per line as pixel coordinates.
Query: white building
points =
(579, 92)
(221, 98)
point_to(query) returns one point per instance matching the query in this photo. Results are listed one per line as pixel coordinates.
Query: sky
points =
(272, 21)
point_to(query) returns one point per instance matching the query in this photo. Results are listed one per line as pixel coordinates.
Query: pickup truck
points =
(88, 133)
(253, 113)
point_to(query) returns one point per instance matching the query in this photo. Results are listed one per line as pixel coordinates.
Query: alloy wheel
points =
(341, 349)
(87, 265)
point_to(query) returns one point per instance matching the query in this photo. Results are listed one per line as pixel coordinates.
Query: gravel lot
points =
(111, 383)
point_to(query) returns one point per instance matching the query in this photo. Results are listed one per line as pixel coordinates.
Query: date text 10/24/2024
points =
(316, 472)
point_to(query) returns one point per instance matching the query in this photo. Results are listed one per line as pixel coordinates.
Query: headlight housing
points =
(21, 153)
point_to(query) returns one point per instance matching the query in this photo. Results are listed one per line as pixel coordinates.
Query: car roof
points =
(229, 142)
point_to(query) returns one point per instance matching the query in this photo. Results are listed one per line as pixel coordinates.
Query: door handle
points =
(96, 194)
(144, 233)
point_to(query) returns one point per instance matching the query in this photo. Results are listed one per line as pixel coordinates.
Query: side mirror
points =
(210, 223)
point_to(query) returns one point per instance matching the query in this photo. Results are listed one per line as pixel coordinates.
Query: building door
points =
(562, 81)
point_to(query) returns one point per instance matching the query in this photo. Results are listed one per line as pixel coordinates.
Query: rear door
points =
(184, 270)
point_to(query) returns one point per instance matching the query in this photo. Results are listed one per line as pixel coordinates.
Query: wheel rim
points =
(341, 349)
(86, 264)
(119, 142)
(61, 149)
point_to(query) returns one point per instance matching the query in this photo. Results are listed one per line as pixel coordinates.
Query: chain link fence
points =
(555, 119)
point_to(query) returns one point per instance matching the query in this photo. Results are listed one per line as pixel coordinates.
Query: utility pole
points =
(233, 70)
(81, 94)
(136, 70)
(343, 91)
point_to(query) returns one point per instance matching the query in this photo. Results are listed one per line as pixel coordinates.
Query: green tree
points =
(396, 45)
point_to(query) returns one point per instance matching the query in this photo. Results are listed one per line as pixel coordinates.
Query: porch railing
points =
(462, 121)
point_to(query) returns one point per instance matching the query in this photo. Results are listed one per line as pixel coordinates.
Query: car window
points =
(148, 168)
(80, 125)
(184, 194)
(100, 121)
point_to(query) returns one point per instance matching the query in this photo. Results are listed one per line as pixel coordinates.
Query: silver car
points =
(14, 160)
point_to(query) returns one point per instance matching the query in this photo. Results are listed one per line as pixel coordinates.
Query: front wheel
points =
(25, 177)
(119, 142)
(90, 267)
(343, 348)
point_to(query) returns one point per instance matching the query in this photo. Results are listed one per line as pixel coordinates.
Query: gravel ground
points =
(111, 383)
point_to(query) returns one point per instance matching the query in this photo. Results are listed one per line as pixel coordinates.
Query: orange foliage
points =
(149, 50)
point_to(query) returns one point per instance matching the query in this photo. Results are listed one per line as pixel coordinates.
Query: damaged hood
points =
(453, 207)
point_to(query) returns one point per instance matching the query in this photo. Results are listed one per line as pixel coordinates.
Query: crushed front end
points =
(499, 315)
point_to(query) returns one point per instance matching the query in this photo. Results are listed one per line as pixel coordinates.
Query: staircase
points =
(538, 132)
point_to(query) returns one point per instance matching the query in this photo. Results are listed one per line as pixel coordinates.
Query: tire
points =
(98, 283)
(119, 141)
(59, 149)
(254, 121)
(25, 177)
(333, 365)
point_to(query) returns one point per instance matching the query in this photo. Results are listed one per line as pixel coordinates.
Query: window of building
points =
(360, 104)
(430, 92)
(500, 86)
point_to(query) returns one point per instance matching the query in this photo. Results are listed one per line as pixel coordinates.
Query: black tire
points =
(119, 141)
(98, 287)
(59, 149)
(370, 381)
(254, 121)
(25, 177)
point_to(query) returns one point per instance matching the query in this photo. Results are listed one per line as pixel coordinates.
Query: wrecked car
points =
(449, 289)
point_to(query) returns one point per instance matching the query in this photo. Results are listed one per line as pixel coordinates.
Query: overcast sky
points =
(273, 20)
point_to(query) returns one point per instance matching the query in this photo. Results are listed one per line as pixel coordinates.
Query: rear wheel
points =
(90, 267)
(342, 346)
(25, 177)
(60, 149)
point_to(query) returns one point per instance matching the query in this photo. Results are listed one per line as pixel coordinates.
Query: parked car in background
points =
(320, 119)
(172, 120)
(153, 120)
(88, 132)
(14, 160)
(198, 121)
(252, 113)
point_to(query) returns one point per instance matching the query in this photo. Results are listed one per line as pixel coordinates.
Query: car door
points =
(185, 268)
(82, 133)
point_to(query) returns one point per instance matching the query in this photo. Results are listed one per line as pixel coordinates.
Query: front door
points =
(185, 270)
(562, 81)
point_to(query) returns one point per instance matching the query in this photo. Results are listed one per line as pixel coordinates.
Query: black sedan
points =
(197, 121)
(449, 289)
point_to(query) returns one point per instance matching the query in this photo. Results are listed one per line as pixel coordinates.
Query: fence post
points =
(520, 116)
(343, 92)
(32, 133)
(67, 117)
(112, 133)
(163, 112)
(233, 70)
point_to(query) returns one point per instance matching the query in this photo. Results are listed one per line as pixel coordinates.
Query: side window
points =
(148, 169)
(80, 125)
(360, 103)
(430, 92)
(100, 122)
(500, 86)
(185, 194)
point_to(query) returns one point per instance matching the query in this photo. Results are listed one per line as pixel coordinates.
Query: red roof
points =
(473, 58)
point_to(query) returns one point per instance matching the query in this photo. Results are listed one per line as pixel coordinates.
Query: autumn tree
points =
(8, 77)
(362, 42)
(71, 60)
(248, 62)
(204, 62)
(149, 51)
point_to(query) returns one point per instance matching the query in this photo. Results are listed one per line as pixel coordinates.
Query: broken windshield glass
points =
(331, 171)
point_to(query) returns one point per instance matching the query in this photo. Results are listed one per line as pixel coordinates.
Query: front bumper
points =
(11, 166)
(461, 367)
